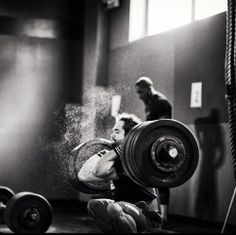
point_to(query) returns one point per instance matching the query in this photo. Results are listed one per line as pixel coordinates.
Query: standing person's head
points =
(124, 123)
(144, 88)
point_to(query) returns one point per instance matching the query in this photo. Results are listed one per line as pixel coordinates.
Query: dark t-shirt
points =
(158, 107)
(127, 190)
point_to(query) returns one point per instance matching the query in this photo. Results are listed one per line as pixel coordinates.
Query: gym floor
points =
(72, 217)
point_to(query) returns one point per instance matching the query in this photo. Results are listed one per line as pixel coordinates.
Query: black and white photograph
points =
(117, 116)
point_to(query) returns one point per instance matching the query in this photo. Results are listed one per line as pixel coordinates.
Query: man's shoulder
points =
(157, 98)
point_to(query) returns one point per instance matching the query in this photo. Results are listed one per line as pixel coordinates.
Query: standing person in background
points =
(157, 107)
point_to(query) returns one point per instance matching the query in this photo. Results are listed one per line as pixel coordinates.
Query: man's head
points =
(144, 86)
(124, 123)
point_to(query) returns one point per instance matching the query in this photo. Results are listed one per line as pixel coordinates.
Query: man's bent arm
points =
(99, 168)
(105, 166)
(86, 173)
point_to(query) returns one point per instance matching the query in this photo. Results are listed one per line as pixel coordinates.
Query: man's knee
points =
(92, 206)
(114, 210)
(122, 221)
(98, 207)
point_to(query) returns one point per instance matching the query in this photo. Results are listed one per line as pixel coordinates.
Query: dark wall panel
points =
(41, 28)
(199, 57)
(119, 19)
(46, 9)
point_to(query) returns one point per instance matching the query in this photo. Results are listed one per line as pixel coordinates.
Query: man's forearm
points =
(100, 167)
(105, 165)
(86, 173)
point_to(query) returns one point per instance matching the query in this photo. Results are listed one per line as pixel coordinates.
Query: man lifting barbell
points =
(162, 153)
(131, 206)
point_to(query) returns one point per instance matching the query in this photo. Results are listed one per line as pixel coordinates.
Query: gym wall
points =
(41, 50)
(174, 60)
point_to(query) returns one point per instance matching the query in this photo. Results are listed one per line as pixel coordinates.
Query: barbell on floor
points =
(161, 153)
(24, 212)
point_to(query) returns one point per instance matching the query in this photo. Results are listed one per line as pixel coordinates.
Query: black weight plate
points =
(146, 170)
(132, 157)
(126, 158)
(28, 212)
(5, 195)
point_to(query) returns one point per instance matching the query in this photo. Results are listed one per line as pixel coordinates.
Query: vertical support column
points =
(95, 57)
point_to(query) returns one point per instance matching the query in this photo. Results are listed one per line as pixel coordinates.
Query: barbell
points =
(161, 153)
(24, 212)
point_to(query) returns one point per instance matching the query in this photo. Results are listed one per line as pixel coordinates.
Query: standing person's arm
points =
(160, 109)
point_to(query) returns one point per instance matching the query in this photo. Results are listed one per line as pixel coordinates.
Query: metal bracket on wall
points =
(110, 4)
